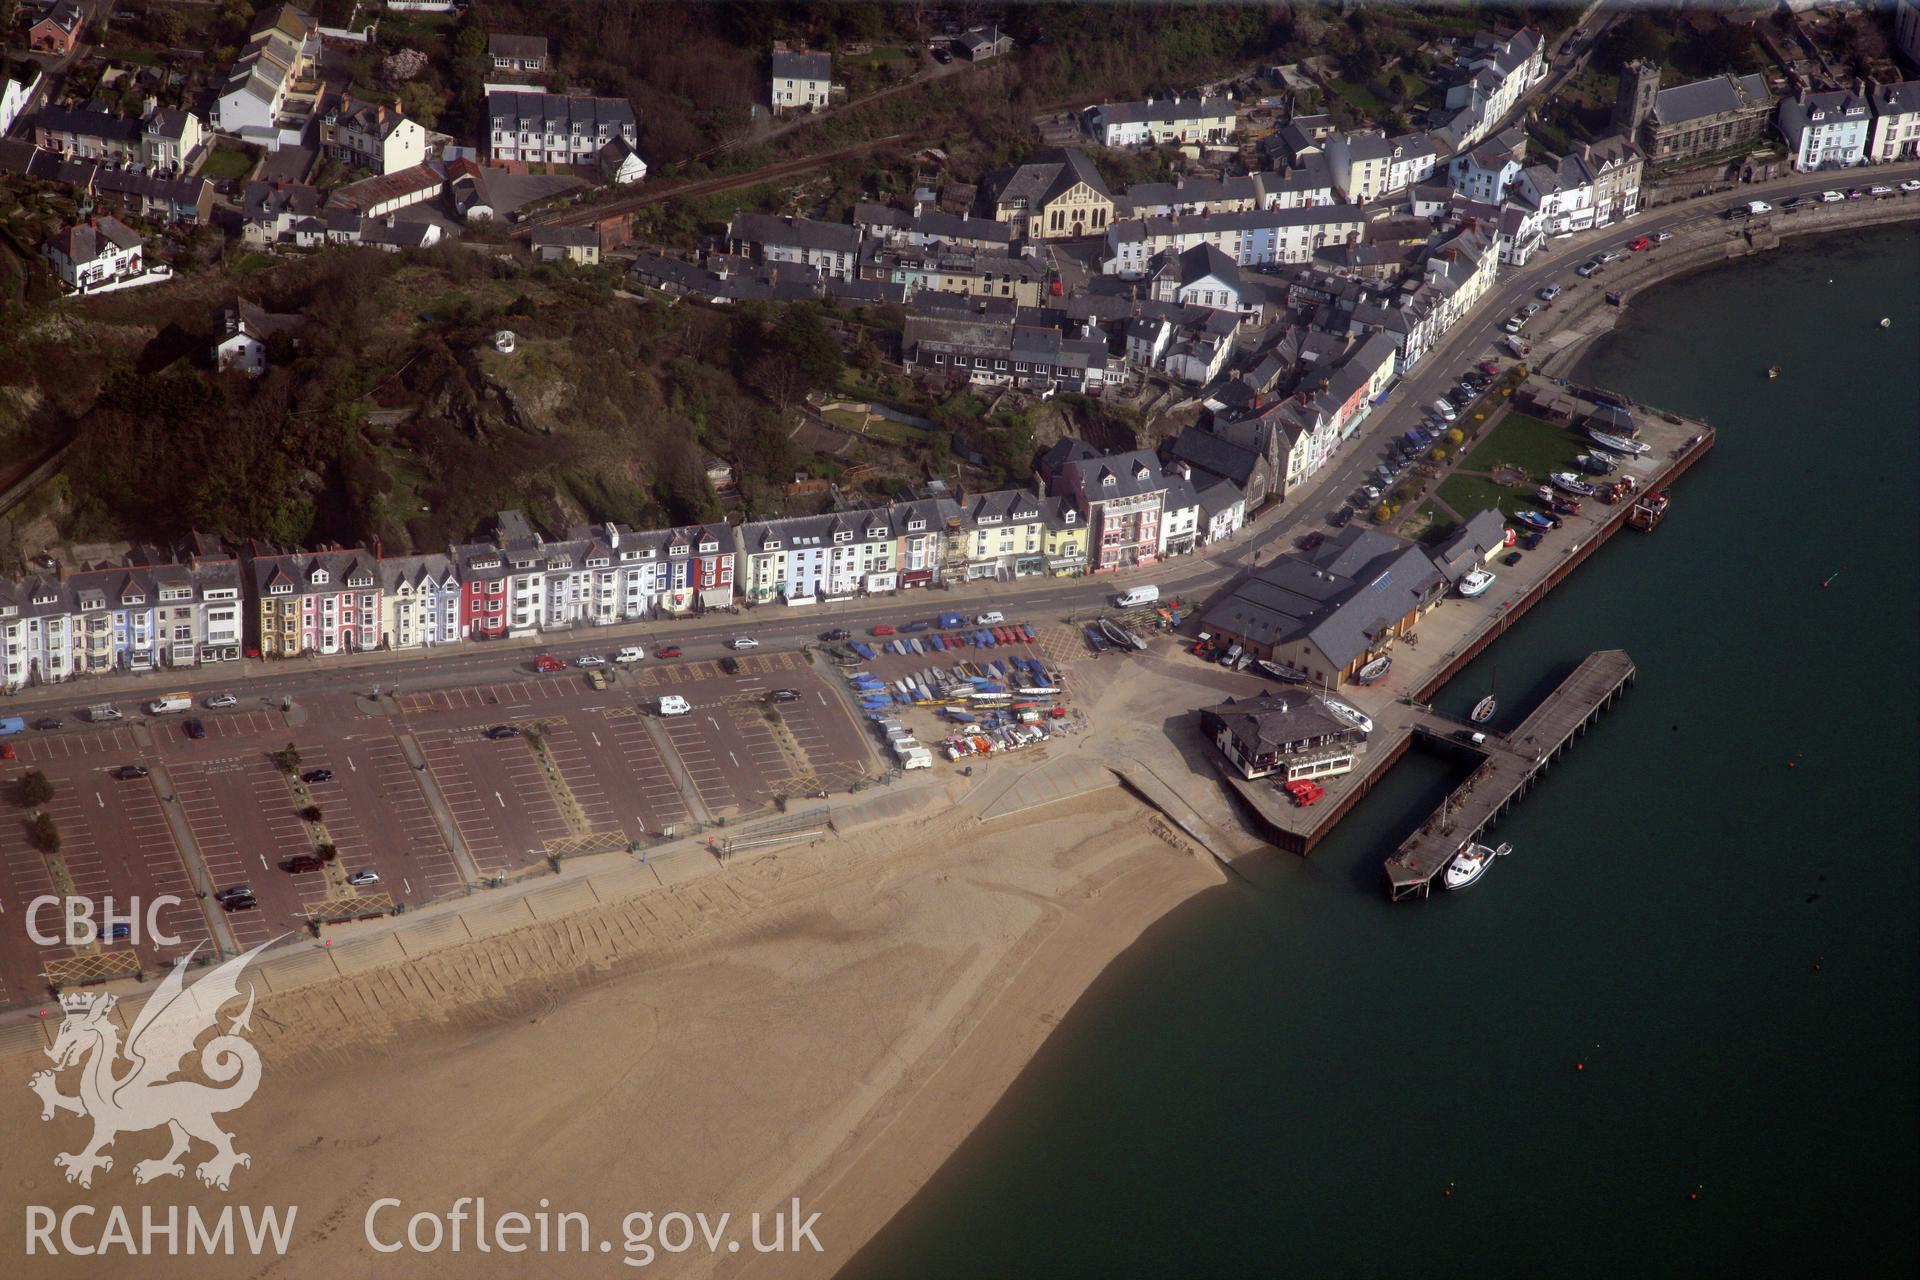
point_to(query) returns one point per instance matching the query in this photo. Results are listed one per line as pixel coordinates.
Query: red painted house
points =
(58, 31)
(483, 590)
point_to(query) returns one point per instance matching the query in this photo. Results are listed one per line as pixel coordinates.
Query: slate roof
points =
(96, 237)
(1470, 545)
(1712, 97)
(1165, 110)
(503, 45)
(572, 114)
(1040, 180)
(1342, 596)
(804, 233)
(1275, 721)
(788, 65)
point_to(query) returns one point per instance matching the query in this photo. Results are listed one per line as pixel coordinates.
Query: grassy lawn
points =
(896, 432)
(1538, 447)
(145, 57)
(845, 418)
(1429, 524)
(1361, 99)
(1470, 495)
(250, 264)
(226, 162)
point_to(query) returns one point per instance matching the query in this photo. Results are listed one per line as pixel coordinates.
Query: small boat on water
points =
(1274, 671)
(1471, 862)
(1618, 444)
(1536, 519)
(1567, 482)
(1475, 583)
(1352, 715)
(1376, 670)
(1483, 710)
(1773, 371)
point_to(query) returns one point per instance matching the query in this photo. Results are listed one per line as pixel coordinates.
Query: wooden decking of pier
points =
(1509, 764)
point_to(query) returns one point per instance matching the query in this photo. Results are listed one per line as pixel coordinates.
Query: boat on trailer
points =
(1618, 444)
(1475, 583)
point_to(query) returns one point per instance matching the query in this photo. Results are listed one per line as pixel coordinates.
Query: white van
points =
(632, 653)
(103, 712)
(991, 618)
(672, 704)
(1757, 207)
(1137, 596)
(170, 704)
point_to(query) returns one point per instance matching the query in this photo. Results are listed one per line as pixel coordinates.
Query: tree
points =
(420, 102)
(287, 759)
(471, 42)
(328, 853)
(1637, 38)
(34, 790)
(311, 813)
(164, 27)
(43, 833)
(398, 68)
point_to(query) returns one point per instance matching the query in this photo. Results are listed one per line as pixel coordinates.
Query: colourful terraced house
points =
(321, 602)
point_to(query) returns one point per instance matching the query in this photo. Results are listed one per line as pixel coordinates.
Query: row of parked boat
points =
(936, 642)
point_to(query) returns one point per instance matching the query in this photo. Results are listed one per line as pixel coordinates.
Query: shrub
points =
(34, 789)
(45, 836)
(311, 813)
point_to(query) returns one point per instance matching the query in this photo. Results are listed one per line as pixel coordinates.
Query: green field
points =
(1470, 495)
(226, 162)
(1537, 447)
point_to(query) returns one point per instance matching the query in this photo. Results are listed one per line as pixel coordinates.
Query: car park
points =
(317, 775)
(632, 653)
(221, 701)
(667, 651)
(743, 642)
(48, 722)
(501, 732)
(130, 772)
(589, 660)
(196, 729)
(359, 878)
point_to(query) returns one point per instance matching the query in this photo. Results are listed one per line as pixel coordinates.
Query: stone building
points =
(1689, 121)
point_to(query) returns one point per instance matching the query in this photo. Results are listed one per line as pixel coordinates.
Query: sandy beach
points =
(824, 1021)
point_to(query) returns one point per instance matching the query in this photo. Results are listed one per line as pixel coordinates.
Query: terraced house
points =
(552, 128)
(1122, 496)
(38, 626)
(282, 55)
(805, 559)
(1167, 122)
(320, 602)
(1003, 535)
(420, 602)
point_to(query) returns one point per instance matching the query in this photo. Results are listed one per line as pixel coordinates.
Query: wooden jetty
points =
(1509, 764)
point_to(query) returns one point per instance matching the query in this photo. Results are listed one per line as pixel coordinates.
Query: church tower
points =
(1639, 82)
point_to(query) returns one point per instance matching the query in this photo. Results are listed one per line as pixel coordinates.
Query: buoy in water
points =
(1885, 323)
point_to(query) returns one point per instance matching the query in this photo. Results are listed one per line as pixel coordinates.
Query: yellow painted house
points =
(1057, 197)
(1066, 539)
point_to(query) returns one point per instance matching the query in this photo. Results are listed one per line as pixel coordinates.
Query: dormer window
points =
(598, 562)
(771, 544)
(708, 548)
(1070, 517)
(1109, 481)
(915, 526)
(845, 535)
(280, 589)
(318, 577)
(136, 598)
(360, 580)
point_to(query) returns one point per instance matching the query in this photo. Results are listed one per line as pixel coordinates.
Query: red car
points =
(547, 662)
(667, 651)
(882, 629)
(1489, 368)
(1641, 243)
(1312, 540)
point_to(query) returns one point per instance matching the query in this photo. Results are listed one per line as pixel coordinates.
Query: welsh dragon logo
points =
(125, 1091)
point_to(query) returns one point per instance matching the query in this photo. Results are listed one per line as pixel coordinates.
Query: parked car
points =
(1642, 243)
(1831, 197)
(1605, 256)
(1510, 559)
(237, 897)
(784, 695)
(1586, 269)
(501, 732)
(359, 878)
(1447, 411)
(730, 665)
(880, 629)
(48, 722)
(547, 663)
(993, 617)
(116, 933)
(632, 653)
(1879, 189)
(1309, 541)
(1662, 237)
(221, 701)
(129, 772)
(1530, 310)
(838, 633)
(1911, 185)
(1549, 293)
(1489, 367)
(1371, 493)
(589, 660)
(743, 642)
(1515, 323)
(942, 55)
(317, 775)
(195, 729)
(667, 651)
